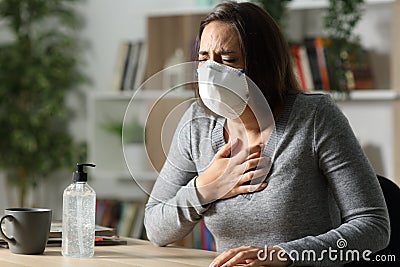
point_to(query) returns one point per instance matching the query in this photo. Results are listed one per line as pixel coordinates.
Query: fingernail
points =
(213, 264)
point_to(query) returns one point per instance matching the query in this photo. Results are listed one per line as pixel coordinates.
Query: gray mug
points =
(26, 229)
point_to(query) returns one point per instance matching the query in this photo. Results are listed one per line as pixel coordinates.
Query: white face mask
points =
(223, 89)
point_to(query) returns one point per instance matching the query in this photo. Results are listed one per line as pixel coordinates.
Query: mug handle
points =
(9, 240)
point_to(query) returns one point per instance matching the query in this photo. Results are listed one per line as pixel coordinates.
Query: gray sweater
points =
(321, 188)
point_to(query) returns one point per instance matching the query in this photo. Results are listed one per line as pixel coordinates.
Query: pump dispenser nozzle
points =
(79, 174)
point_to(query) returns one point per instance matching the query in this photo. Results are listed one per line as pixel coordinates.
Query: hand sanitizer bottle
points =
(78, 220)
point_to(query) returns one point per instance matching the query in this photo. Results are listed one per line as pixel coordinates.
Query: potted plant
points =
(276, 8)
(39, 65)
(343, 47)
(131, 135)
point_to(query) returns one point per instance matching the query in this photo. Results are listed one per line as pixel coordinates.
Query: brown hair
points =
(268, 60)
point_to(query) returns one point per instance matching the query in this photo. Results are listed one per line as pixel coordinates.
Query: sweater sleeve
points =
(174, 207)
(354, 185)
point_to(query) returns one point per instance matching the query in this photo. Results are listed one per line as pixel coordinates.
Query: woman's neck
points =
(249, 129)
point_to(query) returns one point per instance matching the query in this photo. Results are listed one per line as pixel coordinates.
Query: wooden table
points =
(135, 253)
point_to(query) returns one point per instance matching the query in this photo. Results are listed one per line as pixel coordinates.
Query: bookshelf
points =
(116, 190)
(105, 148)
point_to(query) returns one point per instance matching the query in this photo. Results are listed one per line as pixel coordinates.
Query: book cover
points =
(305, 65)
(138, 222)
(321, 59)
(128, 214)
(298, 67)
(362, 71)
(140, 68)
(132, 65)
(313, 60)
(56, 230)
(121, 65)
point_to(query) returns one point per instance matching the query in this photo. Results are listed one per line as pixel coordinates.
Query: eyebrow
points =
(222, 52)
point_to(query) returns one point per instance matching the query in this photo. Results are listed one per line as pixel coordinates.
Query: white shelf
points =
(143, 94)
(319, 4)
(125, 175)
(365, 95)
(180, 11)
(374, 95)
(293, 5)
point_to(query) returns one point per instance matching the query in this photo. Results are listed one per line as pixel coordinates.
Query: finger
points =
(257, 175)
(225, 256)
(245, 189)
(238, 258)
(246, 153)
(238, 255)
(254, 155)
(263, 162)
(227, 149)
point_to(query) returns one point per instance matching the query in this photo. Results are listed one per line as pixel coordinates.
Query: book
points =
(127, 218)
(138, 223)
(132, 65)
(141, 67)
(56, 230)
(121, 65)
(322, 64)
(98, 241)
(305, 65)
(298, 68)
(313, 60)
(302, 66)
(362, 71)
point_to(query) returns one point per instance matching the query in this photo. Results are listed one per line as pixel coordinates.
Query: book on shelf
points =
(200, 238)
(302, 67)
(319, 67)
(137, 230)
(321, 52)
(124, 216)
(138, 78)
(128, 213)
(129, 66)
(362, 71)
(313, 61)
(203, 239)
(120, 66)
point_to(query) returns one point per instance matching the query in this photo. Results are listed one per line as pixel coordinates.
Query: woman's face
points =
(220, 42)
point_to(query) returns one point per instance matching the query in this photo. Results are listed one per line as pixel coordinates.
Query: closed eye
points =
(229, 60)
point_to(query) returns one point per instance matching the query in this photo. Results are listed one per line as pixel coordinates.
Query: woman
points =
(317, 191)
